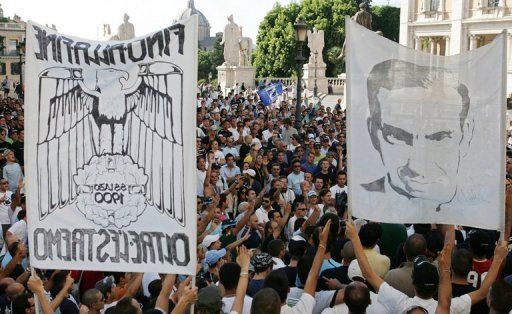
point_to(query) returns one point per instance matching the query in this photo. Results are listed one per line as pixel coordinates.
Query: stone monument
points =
(125, 31)
(237, 66)
(316, 67)
(362, 17)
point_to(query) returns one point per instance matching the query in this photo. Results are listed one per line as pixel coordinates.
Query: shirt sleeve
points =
(305, 305)
(393, 300)
(461, 304)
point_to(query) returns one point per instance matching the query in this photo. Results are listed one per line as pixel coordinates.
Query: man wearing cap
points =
(209, 300)
(250, 182)
(425, 279)
(262, 264)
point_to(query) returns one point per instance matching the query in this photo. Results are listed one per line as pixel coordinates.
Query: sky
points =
(84, 18)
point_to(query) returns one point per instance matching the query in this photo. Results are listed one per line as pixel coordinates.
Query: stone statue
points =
(362, 17)
(230, 39)
(106, 31)
(126, 30)
(316, 46)
(245, 52)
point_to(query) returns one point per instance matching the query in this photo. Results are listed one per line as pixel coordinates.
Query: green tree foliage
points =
(387, 19)
(208, 61)
(276, 49)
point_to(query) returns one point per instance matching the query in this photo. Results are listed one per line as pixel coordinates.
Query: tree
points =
(387, 19)
(276, 49)
(208, 61)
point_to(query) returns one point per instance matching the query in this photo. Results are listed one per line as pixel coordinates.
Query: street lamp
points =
(21, 50)
(301, 29)
(315, 88)
(210, 77)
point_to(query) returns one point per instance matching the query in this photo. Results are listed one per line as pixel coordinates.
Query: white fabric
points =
(323, 299)
(278, 263)
(115, 170)
(305, 305)
(227, 304)
(426, 133)
(397, 302)
(147, 278)
(5, 208)
(262, 215)
(374, 308)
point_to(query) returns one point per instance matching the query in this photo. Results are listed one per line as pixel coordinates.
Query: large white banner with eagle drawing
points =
(110, 151)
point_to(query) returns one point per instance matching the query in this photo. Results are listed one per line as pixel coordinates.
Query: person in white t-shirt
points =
(229, 275)
(341, 184)
(425, 280)
(8, 203)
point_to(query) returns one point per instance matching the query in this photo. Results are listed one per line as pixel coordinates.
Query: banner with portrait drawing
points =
(110, 151)
(425, 132)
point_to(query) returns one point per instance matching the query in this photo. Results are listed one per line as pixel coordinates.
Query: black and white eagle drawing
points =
(111, 122)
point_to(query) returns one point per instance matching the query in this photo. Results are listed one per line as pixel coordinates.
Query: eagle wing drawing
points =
(72, 119)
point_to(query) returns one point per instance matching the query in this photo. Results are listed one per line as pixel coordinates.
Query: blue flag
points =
(269, 94)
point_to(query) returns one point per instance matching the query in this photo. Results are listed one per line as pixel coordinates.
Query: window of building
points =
(12, 49)
(492, 3)
(430, 5)
(2, 69)
(15, 68)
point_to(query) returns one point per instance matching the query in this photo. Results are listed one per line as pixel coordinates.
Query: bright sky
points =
(84, 18)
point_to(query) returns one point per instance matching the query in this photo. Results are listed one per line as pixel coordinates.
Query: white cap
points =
(250, 172)
(209, 239)
(354, 270)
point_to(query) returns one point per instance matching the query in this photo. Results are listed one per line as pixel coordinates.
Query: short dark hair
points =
(229, 274)
(275, 247)
(462, 262)
(500, 296)
(357, 298)
(229, 155)
(90, 297)
(278, 280)
(370, 233)
(425, 292)
(266, 301)
(125, 306)
(395, 74)
(20, 304)
(271, 213)
(415, 245)
(303, 268)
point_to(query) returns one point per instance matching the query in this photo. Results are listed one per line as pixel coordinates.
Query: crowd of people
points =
(273, 231)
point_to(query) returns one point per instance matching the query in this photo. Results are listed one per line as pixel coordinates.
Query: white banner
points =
(110, 152)
(425, 133)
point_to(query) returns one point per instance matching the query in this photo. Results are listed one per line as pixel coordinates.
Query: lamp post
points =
(301, 29)
(210, 77)
(21, 50)
(315, 88)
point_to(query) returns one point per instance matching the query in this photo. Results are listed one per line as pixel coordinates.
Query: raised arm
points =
(62, 293)
(284, 219)
(444, 296)
(245, 218)
(162, 302)
(243, 260)
(35, 284)
(134, 285)
(310, 286)
(17, 195)
(367, 271)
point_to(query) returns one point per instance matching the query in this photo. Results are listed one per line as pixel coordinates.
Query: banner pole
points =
(193, 285)
(36, 299)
